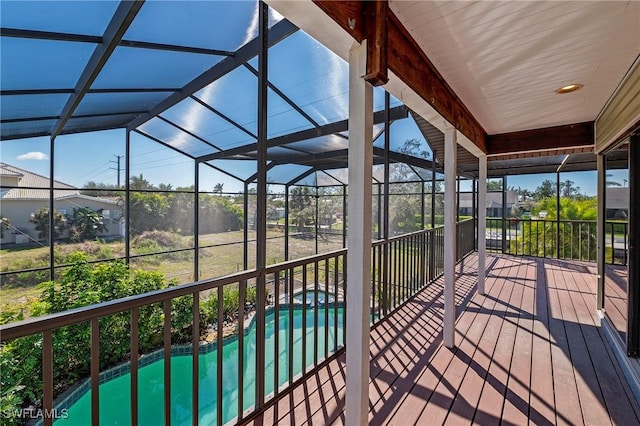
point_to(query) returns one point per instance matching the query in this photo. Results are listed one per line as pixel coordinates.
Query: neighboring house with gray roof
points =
(617, 203)
(494, 203)
(22, 193)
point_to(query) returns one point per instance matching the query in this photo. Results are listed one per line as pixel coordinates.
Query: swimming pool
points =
(310, 297)
(115, 406)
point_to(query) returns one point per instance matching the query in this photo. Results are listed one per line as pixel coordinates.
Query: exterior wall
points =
(111, 222)
(19, 213)
(494, 203)
(621, 112)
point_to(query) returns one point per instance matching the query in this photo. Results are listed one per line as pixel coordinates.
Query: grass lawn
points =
(220, 254)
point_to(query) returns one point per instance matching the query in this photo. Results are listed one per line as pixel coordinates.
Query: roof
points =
(494, 199)
(491, 69)
(505, 59)
(29, 184)
(189, 84)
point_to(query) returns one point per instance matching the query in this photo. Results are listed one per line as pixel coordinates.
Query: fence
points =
(563, 239)
(260, 331)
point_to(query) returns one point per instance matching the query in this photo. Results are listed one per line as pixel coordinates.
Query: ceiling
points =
(505, 59)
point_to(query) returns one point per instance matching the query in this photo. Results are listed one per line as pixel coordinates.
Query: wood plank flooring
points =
(528, 352)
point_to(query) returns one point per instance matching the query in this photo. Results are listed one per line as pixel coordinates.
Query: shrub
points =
(80, 285)
(152, 241)
(41, 221)
(85, 224)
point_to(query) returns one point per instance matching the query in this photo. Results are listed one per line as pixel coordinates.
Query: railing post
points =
(504, 214)
(557, 215)
(482, 222)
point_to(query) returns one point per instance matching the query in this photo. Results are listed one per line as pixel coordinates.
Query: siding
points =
(622, 111)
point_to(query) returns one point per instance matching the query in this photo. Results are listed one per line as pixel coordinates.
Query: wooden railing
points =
(562, 239)
(311, 290)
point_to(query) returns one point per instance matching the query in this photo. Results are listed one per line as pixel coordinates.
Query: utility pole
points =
(118, 157)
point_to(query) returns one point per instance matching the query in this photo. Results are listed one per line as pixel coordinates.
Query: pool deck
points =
(530, 351)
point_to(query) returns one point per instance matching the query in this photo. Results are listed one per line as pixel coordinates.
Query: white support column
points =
(482, 222)
(450, 165)
(359, 242)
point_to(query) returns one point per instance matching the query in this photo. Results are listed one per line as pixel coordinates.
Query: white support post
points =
(450, 165)
(359, 242)
(482, 222)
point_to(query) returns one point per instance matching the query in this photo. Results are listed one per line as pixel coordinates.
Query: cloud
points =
(34, 155)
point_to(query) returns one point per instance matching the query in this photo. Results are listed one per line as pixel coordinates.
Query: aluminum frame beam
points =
(120, 22)
(328, 129)
(277, 33)
(84, 38)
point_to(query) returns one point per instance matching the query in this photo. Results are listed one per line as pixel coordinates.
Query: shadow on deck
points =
(530, 351)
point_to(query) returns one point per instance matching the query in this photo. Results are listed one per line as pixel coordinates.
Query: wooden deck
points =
(529, 352)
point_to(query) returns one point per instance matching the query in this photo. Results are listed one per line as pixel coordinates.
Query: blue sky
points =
(80, 158)
(314, 78)
(84, 157)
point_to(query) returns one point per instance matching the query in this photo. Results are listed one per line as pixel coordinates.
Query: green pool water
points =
(115, 406)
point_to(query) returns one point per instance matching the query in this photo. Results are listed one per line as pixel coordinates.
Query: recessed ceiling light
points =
(570, 88)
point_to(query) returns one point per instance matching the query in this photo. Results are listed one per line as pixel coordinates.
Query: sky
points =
(314, 78)
(84, 157)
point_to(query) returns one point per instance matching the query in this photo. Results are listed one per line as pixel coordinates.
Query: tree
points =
(179, 216)
(41, 219)
(219, 214)
(139, 183)
(301, 206)
(85, 224)
(568, 190)
(95, 189)
(148, 211)
(546, 189)
(415, 147)
(612, 182)
(494, 185)
(217, 188)
(5, 225)
(405, 214)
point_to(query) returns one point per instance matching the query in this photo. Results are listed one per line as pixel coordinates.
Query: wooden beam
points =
(348, 14)
(407, 60)
(570, 135)
(375, 22)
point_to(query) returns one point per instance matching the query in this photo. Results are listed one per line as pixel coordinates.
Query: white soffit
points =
(505, 59)
(311, 19)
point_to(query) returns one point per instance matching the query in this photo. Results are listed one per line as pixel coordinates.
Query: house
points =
(494, 203)
(617, 203)
(23, 193)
